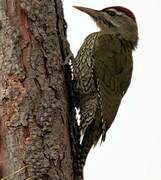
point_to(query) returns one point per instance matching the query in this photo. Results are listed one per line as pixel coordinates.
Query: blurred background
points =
(132, 150)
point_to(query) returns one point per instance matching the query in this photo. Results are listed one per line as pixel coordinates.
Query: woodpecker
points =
(102, 71)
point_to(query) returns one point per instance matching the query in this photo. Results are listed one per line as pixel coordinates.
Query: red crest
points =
(124, 10)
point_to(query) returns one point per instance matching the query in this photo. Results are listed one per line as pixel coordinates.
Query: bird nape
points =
(102, 71)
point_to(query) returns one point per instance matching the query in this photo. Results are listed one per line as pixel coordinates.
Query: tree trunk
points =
(34, 109)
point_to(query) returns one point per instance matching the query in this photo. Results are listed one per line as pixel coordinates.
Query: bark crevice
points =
(34, 108)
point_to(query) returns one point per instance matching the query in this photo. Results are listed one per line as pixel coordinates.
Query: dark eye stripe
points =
(111, 13)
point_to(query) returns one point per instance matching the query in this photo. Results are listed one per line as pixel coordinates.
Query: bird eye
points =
(111, 13)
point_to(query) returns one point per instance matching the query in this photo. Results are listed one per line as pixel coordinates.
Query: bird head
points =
(115, 20)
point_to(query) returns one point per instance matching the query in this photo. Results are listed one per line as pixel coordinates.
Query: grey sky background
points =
(132, 150)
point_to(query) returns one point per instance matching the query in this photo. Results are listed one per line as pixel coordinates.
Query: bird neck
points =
(124, 40)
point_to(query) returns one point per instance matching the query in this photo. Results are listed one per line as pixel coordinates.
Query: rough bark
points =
(34, 130)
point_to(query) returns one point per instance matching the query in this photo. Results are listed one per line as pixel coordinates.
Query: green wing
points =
(113, 69)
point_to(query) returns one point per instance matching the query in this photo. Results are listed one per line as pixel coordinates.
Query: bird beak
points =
(92, 12)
